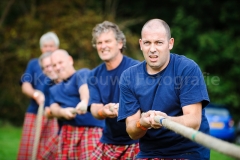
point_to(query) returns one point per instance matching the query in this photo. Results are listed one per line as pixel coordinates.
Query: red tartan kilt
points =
(49, 139)
(115, 152)
(77, 142)
(49, 128)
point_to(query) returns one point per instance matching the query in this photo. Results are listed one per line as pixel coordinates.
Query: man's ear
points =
(140, 43)
(71, 60)
(120, 45)
(171, 43)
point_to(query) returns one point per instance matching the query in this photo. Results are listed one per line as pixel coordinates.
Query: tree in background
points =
(206, 31)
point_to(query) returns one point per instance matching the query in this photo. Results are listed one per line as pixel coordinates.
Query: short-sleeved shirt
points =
(103, 86)
(46, 90)
(34, 75)
(180, 84)
(66, 94)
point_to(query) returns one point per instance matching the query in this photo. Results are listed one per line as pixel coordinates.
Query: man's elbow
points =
(23, 88)
(197, 125)
(132, 135)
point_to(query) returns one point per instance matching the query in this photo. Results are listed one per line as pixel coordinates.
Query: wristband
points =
(140, 126)
(100, 113)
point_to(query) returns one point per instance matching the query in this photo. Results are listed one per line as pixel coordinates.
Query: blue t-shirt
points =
(46, 90)
(66, 94)
(104, 88)
(35, 76)
(181, 83)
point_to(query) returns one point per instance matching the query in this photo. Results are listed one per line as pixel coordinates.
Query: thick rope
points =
(38, 126)
(201, 138)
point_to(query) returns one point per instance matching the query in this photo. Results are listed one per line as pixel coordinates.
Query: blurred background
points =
(206, 31)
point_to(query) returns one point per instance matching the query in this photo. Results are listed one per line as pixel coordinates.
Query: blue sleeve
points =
(51, 96)
(82, 76)
(29, 73)
(193, 88)
(128, 103)
(93, 89)
(47, 95)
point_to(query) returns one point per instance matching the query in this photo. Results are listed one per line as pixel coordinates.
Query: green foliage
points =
(206, 31)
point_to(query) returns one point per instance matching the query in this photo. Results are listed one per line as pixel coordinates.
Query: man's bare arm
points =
(192, 116)
(27, 89)
(37, 95)
(101, 111)
(95, 108)
(131, 124)
(59, 112)
(84, 93)
(84, 97)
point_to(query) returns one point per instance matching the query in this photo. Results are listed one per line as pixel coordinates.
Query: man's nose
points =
(50, 68)
(103, 45)
(152, 48)
(56, 67)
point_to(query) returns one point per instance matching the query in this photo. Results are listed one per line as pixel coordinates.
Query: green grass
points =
(10, 139)
(9, 142)
(218, 156)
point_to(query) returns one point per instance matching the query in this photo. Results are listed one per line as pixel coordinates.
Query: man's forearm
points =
(27, 89)
(134, 126)
(56, 110)
(133, 131)
(192, 116)
(84, 93)
(95, 108)
(188, 121)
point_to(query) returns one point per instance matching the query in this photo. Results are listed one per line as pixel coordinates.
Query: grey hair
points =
(105, 27)
(49, 36)
(155, 23)
(42, 57)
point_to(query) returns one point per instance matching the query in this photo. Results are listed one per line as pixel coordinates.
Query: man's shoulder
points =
(33, 66)
(134, 68)
(183, 65)
(54, 88)
(182, 60)
(99, 68)
(131, 61)
(83, 70)
(33, 61)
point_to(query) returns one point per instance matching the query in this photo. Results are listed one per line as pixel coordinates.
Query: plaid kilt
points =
(115, 152)
(77, 142)
(49, 127)
(49, 139)
(28, 132)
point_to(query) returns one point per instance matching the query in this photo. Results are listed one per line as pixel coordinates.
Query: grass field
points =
(10, 137)
(9, 142)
